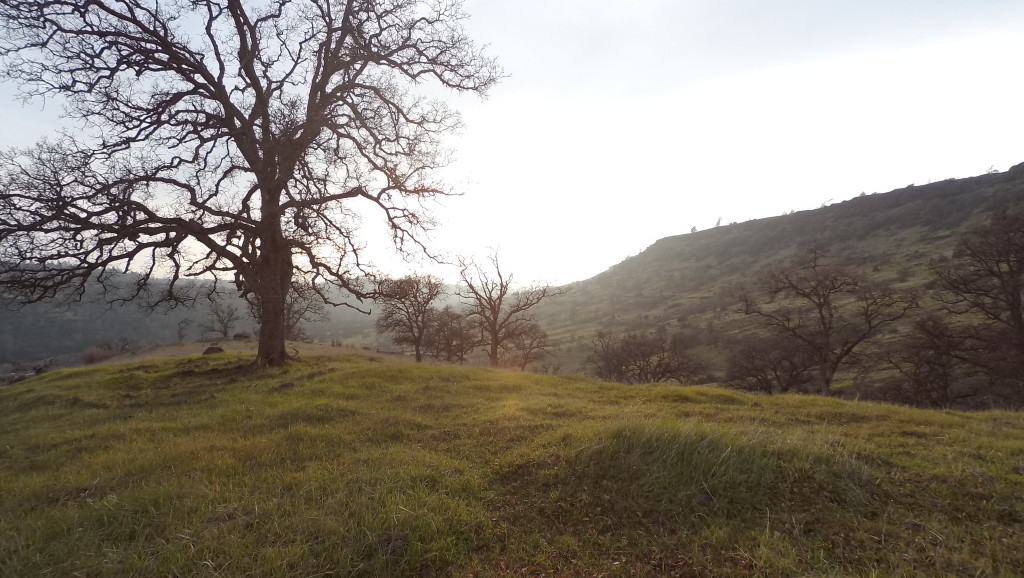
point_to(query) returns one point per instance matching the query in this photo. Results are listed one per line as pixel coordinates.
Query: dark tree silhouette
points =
(829, 311)
(406, 309)
(641, 358)
(984, 287)
(528, 344)
(932, 361)
(987, 276)
(450, 336)
(769, 364)
(225, 139)
(500, 311)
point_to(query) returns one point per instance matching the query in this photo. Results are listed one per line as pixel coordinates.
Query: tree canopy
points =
(225, 139)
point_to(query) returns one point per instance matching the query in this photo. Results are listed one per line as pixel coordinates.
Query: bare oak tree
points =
(227, 139)
(932, 360)
(987, 276)
(406, 309)
(828, 311)
(450, 336)
(496, 307)
(528, 344)
(769, 364)
(223, 316)
(635, 358)
(984, 287)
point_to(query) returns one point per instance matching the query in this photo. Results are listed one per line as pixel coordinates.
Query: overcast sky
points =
(622, 122)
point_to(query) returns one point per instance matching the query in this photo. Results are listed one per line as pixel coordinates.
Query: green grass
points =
(365, 466)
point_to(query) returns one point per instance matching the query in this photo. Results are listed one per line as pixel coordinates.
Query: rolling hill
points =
(363, 465)
(683, 283)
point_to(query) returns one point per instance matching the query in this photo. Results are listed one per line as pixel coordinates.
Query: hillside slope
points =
(358, 465)
(685, 278)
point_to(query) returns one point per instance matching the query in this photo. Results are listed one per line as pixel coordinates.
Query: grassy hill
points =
(683, 281)
(360, 465)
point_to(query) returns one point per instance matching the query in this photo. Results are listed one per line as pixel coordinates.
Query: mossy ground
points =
(359, 465)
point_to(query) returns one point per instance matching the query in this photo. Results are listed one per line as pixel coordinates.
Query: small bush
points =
(241, 336)
(97, 354)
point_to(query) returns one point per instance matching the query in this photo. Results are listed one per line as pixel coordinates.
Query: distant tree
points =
(500, 311)
(932, 360)
(182, 328)
(634, 358)
(304, 304)
(769, 365)
(528, 344)
(406, 309)
(229, 139)
(450, 336)
(829, 311)
(223, 316)
(984, 287)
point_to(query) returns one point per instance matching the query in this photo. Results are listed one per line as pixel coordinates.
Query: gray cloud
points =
(635, 46)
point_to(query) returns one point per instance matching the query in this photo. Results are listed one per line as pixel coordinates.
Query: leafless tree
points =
(223, 316)
(828, 310)
(987, 276)
(984, 287)
(303, 305)
(450, 336)
(933, 361)
(226, 139)
(769, 364)
(605, 357)
(529, 344)
(182, 329)
(640, 358)
(406, 309)
(496, 307)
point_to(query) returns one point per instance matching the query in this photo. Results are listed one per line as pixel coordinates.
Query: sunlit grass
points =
(355, 465)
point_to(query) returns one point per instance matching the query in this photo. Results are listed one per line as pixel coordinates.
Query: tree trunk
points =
(824, 387)
(275, 275)
(271, 350)
(493, 353)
